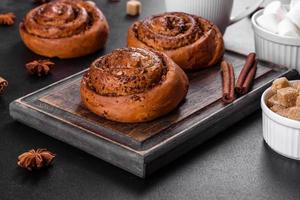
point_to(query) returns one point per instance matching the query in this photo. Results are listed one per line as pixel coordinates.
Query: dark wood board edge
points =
(140, 163)
(33, 100)
(30, 100)
(38, 93)
(214, 119)
(74, 119)
(35, 95)
(183, 145)
(103, 148)
(192, 142)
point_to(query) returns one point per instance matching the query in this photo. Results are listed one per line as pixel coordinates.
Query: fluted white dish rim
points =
(268, 35)
(282, 153)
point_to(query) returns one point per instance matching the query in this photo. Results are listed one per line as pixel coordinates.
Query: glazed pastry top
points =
(171, 30)
(126, 71)
(61, 18)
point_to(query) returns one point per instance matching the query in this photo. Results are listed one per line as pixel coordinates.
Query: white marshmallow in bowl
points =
(268, 22)
(288, 28)
(275, 8)
(293, 3)
(294, 14)
(275, 48)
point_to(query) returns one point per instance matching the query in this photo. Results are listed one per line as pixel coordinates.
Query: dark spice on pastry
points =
(64, 29)
(133, 85)
(191, 41)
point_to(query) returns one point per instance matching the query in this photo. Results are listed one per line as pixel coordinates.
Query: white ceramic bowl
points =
(280, 133)
(275, 48)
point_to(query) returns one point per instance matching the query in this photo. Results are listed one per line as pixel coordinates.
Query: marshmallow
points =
(92, 3)
(287, 28)
(294, 14)
(268, 22)
(276, 9)
(293, 3)
(133, 7)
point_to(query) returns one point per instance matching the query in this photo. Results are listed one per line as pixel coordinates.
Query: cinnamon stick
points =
(248, 82)
(247, 74)
(228, 81)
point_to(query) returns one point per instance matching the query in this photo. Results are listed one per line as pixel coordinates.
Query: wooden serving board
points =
(142, 148)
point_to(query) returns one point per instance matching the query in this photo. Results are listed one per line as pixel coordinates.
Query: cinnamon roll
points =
(64, 29)
(191, 41)
(133, 85)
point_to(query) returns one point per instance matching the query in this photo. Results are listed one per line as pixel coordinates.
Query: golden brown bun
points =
(64, 29)
(133, 85)
(191, 41)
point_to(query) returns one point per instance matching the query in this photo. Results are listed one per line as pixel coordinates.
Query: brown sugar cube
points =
(298, 101)
(280, 83)
(277, 108)
(271, 93)
(296, 85)
(294, 113)
(273, 100)
(134, 7)
(281, 110)
(287, 96)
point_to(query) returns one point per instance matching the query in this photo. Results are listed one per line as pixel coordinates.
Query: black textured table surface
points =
(236, 164)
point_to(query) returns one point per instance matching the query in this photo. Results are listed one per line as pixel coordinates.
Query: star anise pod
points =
(7, 18)
(35, 159)
(39, 67)
(3, 85)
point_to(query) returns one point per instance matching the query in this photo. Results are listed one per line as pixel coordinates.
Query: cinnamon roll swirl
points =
(191, 41)
(64, 29)
(133, 85)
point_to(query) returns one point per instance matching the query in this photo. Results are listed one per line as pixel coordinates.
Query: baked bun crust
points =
(191, 41)
(64, 29)
(133, 85)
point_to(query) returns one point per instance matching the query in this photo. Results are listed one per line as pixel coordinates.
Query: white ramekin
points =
(275, 48)
(280, 133)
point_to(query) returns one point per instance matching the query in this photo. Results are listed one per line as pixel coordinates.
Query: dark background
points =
(236, 164)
